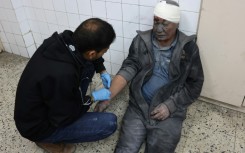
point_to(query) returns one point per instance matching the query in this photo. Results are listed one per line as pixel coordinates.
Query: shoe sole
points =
(46, 151)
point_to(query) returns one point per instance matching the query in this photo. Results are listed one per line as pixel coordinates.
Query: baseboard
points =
(219, 103)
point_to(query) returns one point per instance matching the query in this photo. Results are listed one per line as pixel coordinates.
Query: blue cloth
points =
(92, 126)
(160, 77)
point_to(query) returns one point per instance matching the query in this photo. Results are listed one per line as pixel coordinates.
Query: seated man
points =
(166, 76)
(51, 102)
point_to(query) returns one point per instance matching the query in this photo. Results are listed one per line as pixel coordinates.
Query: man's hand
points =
(101, 106)
(106, 79)
(161, 112)
(101, 94)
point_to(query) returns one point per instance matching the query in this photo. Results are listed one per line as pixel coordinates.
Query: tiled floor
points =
(208, 128)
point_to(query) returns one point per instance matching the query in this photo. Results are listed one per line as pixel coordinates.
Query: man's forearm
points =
(117, 84)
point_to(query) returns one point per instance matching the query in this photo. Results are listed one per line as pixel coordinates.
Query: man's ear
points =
(91, 54)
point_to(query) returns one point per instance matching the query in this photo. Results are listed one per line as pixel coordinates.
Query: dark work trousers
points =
(160, 138)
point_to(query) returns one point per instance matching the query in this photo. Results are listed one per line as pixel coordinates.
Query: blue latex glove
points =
(106, 79)
(101, 94)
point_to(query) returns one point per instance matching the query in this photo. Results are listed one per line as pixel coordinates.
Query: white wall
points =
(15, 33)
(25, 23)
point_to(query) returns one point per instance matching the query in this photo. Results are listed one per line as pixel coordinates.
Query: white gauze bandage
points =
(167, 11)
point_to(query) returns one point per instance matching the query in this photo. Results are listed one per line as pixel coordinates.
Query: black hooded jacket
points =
(48, 95)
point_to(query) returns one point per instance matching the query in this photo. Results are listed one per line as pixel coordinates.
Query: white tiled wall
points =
(15, 33)
(24, 24)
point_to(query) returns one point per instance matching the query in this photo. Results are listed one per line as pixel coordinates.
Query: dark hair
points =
(93, 34)
(172, 2)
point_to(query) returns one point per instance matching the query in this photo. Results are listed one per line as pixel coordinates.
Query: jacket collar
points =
(182, 39)
(146, 36)
(174, 67)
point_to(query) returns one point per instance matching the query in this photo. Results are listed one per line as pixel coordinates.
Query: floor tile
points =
(239, 146)
(204, 140)
(190, 116)
(181, 145)
(240, 130)
(216, 118)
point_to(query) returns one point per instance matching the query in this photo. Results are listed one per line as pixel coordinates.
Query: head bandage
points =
(168, 12)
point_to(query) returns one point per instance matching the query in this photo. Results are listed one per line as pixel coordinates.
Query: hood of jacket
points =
(57, 48)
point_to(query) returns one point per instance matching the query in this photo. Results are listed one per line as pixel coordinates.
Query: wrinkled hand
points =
(106, 79)
(161, 112)
(101, 94)
(101, 106)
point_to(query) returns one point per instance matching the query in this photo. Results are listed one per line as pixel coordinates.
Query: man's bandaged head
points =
(168, 10)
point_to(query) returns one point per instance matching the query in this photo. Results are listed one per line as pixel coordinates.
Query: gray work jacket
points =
(185, 73)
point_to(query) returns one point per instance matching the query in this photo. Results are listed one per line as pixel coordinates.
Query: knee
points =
(163, 143)
(111, 122)
(111, 117)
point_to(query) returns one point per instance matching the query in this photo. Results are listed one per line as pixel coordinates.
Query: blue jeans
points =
(92, 126)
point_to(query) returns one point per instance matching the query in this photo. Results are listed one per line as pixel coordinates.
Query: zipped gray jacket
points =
(185, 73)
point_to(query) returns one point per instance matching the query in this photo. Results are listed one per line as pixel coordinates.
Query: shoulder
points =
(183, 38)
(188, 43)
(142, 37)
(145, 35)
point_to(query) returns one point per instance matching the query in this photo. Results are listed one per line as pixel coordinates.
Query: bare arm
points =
(118, 83)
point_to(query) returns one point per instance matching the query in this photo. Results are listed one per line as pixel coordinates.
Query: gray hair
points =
(171, 2)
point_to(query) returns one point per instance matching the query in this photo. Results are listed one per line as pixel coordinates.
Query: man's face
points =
(163, 29)
(101, 53)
